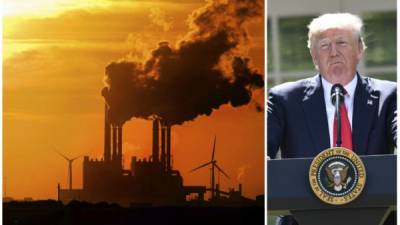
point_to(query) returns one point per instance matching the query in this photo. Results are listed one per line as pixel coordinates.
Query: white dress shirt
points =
(348, 101)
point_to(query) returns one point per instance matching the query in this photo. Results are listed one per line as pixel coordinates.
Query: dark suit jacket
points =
(297, 121)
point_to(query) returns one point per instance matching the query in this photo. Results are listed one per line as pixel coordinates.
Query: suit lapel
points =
(366, 102)
(315, 114)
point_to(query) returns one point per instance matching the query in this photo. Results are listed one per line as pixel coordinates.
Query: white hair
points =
(335, 20)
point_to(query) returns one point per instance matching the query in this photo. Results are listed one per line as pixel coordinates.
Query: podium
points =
(289, 193)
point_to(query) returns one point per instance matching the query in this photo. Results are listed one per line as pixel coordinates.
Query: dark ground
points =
(55, 213)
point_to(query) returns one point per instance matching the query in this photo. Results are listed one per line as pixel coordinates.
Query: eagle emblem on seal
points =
(337, 176)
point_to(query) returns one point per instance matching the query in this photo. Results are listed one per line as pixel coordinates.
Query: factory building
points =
(149, 181)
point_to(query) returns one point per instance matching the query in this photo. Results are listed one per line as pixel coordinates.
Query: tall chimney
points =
(217, 191)
(163, 147)
(58, 192)
(155, 140)
(169, 148)
(107, 135)
(114, 142)
(133, 165)
(119, 144)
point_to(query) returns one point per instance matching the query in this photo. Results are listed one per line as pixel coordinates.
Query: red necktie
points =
(346, 128)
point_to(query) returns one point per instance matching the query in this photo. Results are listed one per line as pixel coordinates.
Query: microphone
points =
(337, 92)
(337, 98)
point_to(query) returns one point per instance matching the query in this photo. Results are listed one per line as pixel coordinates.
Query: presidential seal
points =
(337, 176)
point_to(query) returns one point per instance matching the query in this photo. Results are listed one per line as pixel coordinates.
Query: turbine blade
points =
(205, 164)
(213, 152)
(65, 157)
(220, 170)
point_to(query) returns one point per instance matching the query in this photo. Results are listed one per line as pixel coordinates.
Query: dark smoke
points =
(180, 84)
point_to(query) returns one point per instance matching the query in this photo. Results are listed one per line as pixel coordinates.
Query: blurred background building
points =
(288, 56)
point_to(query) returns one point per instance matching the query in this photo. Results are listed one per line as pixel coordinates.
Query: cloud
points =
(159, 18)
(110, 24)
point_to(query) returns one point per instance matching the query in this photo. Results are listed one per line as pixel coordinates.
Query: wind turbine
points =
(214, 165)
(70, 161)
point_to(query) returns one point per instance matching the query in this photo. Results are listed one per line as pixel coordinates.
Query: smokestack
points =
(114, 142)
(58, 192)
(133, 165)
(155, 140)
(218, 194)
(168, 148)
(107, 135)
(163, 147)
(119, 144)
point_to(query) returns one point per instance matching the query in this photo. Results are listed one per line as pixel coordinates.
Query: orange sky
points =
(54, 57)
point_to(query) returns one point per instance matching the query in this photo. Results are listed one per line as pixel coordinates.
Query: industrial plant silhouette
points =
(150, 181)
(149, 192)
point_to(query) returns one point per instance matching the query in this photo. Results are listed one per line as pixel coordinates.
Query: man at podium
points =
(301, 115)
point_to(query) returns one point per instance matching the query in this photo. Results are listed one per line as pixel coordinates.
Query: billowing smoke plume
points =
(241, 173)
(204, 72)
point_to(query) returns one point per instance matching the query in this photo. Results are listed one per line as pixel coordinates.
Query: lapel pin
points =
(369, 102)
(374, 94)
